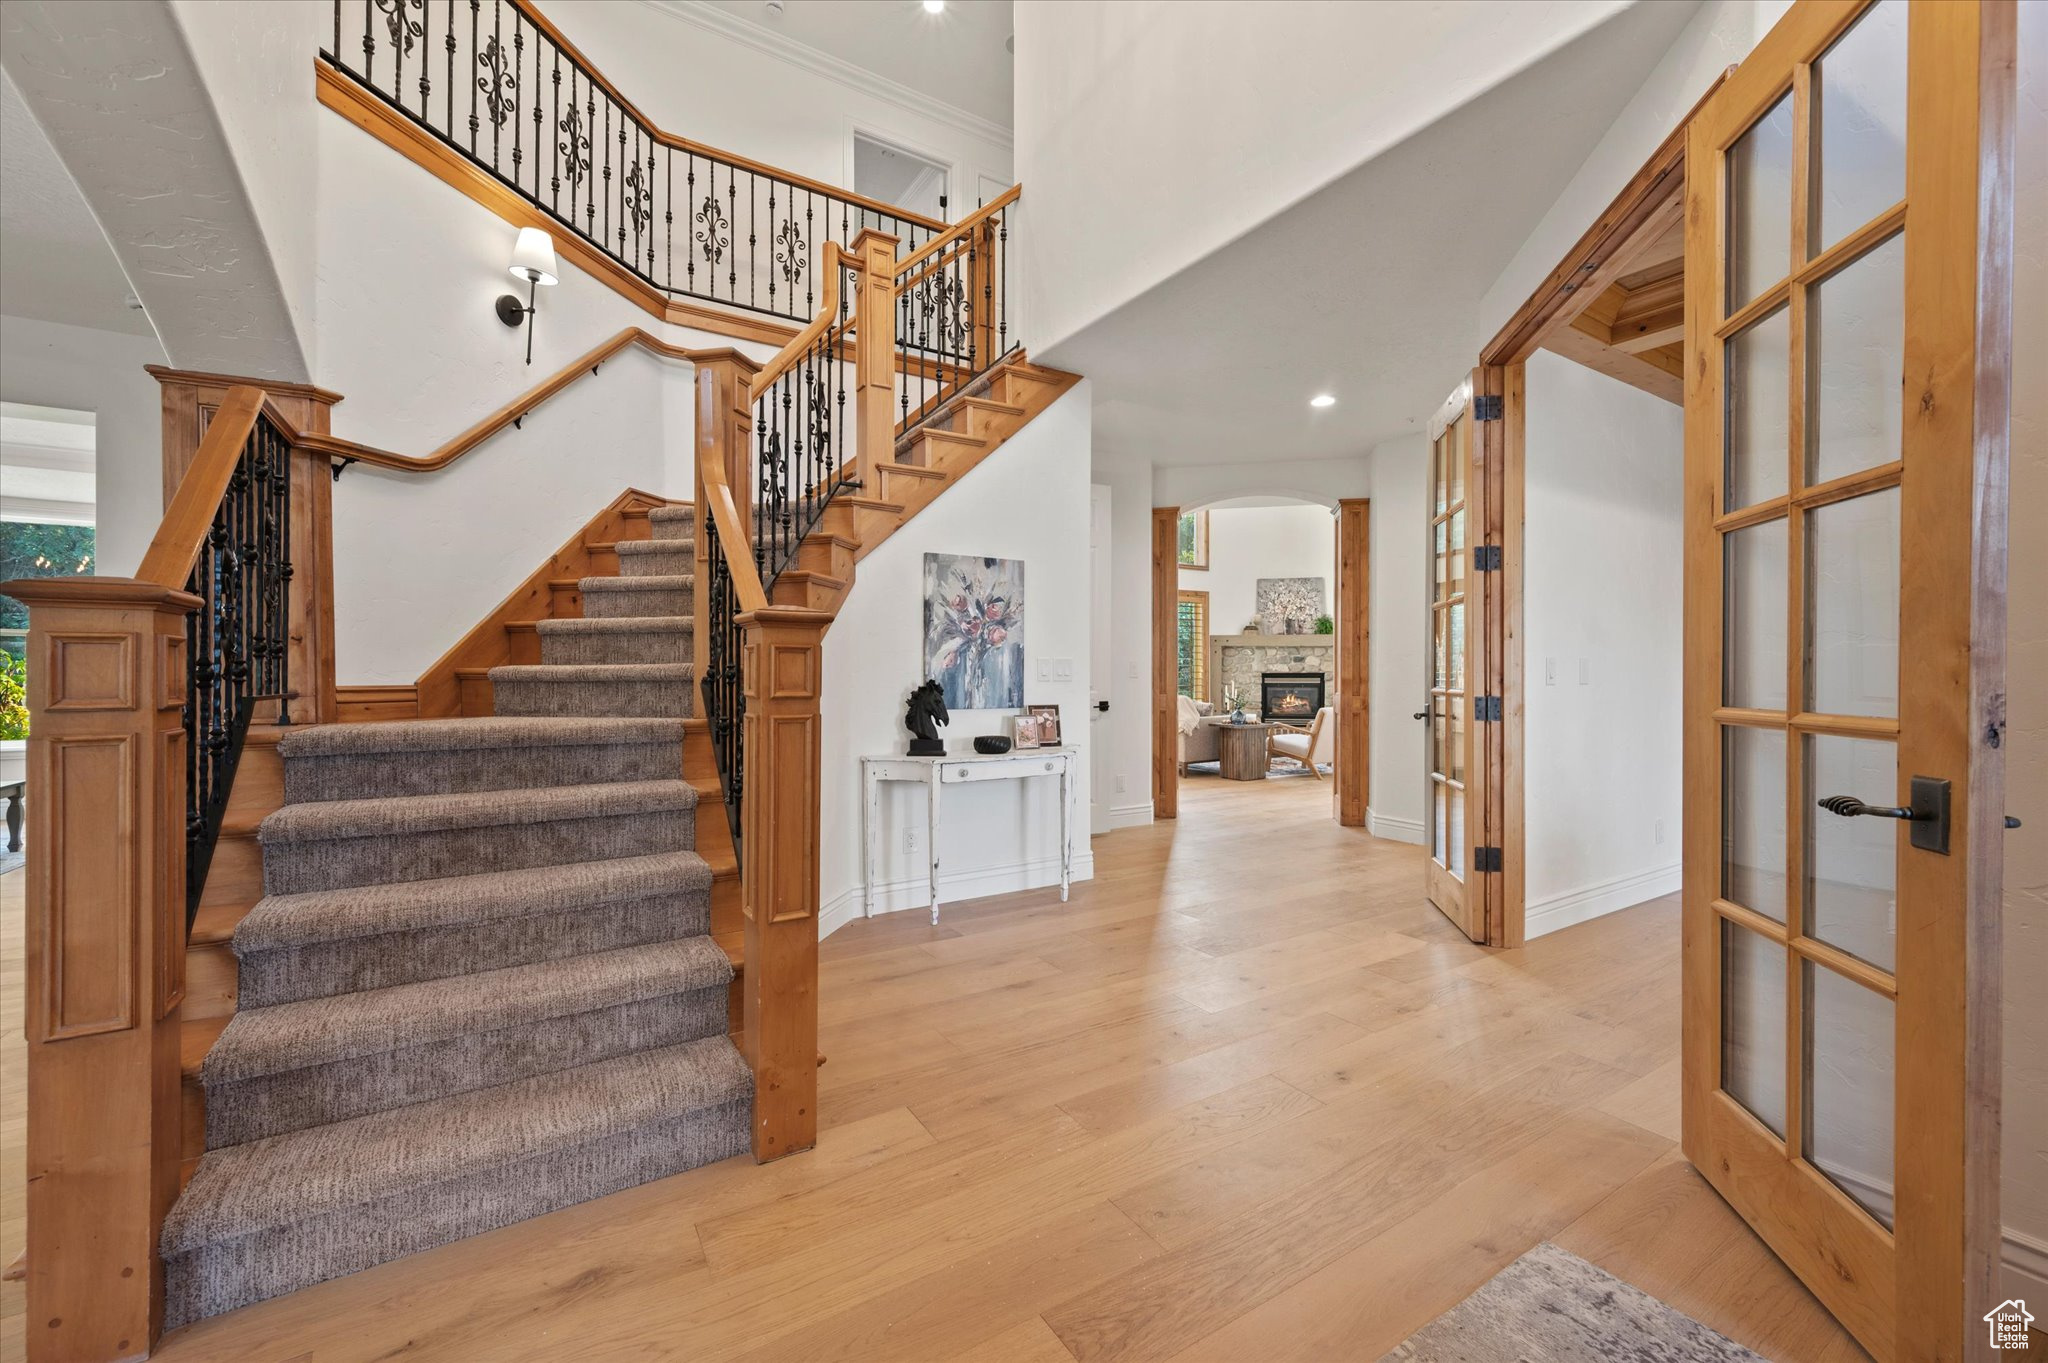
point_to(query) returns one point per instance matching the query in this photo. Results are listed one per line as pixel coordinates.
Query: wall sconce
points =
(533, 260)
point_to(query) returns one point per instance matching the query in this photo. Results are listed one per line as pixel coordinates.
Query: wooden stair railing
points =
(139, 691)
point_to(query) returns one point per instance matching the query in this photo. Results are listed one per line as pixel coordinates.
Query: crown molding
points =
(804, 57)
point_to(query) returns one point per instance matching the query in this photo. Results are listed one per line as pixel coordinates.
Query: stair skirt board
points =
(267, 1218)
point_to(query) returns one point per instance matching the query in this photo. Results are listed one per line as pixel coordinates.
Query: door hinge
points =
(1486, 407)
(1486, 558)
(1486, 859)
(1486, 709)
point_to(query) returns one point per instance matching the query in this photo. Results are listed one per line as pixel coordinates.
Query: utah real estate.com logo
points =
(2009, 1322)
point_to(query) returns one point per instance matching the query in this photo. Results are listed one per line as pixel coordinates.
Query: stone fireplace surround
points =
(1239, 659)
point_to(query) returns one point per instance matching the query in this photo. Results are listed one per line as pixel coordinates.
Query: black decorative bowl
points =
(991, 744)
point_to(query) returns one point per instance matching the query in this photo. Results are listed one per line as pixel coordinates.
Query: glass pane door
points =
(1813, 476)
(1449, 740)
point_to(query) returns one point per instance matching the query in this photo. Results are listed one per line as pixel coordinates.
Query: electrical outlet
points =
(1585, 671)
(1122, 785)
(909, 841)
(1660, 832)
(1132, 673)
(1550, 671)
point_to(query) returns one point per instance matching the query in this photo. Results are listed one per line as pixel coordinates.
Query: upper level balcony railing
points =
(498, 83)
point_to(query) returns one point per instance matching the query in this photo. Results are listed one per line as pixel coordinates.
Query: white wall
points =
(1028, 501)
(1208, 119)
(1398, 529)
(2026, 672)
(406, 331)
(1250, 542)
(745, 97)
(1126, 731)
(53, 365)
(1602, 578)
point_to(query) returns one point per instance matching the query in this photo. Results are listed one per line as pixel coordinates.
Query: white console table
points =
(957, 769)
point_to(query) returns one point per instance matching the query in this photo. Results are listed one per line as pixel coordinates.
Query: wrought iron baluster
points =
(475, 16)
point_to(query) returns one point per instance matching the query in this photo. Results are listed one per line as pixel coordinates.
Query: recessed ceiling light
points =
(934, 6)
(1322, 400)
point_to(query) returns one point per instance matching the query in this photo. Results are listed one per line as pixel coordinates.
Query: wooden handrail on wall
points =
(510, 414)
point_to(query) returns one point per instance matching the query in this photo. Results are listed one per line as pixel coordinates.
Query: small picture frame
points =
(1024, 731)
(1048, 717)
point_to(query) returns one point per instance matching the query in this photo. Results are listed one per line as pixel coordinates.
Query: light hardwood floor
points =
(1247, 1096)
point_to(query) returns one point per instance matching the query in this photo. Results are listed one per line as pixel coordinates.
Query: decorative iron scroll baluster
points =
(605, 176)
(239, 639)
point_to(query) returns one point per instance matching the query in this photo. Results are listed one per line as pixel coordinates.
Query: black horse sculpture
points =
(927, 712)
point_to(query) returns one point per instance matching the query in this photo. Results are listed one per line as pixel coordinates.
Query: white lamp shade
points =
(533, 256)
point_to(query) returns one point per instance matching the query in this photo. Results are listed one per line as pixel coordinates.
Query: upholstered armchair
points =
(1197, 737)
(1313, 747)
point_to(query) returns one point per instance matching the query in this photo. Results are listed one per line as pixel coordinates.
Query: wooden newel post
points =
(725, 407)
(874, 345)
(782, 656)
(106, 957)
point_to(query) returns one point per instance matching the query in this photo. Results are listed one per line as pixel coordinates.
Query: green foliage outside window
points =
(13, 697)
(31, 549)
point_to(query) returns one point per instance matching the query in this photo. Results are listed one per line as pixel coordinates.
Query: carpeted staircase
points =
(479, 985)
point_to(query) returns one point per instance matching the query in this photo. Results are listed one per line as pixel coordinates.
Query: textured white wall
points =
(1221, 116)
(1604, 480)
(1250, 542)
(53, 365)
(1028, 501)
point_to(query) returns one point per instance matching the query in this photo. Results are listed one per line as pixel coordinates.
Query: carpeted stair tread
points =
(617, 624)
(415, 814)
(659, 582)
(458, 735)
(278, 922)
(296, 1036)
(672, 518)
(674, 544)
(243, 1189)
(570, 673)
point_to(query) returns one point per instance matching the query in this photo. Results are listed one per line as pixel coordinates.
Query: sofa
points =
(1197, 738)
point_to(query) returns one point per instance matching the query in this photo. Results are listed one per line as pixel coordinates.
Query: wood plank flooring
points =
(1247, 1096)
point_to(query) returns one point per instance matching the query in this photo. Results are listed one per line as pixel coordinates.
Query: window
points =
(1192, 643)
(1194, 540)
(46, 526)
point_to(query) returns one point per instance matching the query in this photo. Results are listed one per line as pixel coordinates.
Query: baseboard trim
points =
(1129, 816)
(913, 892)
(1392, 829)
(1595, 901)
(2023, 1263)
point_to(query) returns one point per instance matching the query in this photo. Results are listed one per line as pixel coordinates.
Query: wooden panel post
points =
(1165, 662)
(981, 295)
(874, 346)
(781, 658)
(190, 399)
(105, 938)
(1354, 659)
(725, 401)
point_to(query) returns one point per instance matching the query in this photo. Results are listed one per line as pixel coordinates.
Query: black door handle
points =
(1422, 714)
(1928, 814)
(1848, 806)
(1103, 706)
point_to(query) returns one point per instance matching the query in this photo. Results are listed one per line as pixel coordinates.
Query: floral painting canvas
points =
(974, 630)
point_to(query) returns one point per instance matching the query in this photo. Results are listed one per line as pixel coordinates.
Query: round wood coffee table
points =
(1241, 750)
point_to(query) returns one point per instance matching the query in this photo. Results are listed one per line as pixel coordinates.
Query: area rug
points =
(1551, 1306)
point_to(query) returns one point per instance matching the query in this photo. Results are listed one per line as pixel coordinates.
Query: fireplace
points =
(1290, 697)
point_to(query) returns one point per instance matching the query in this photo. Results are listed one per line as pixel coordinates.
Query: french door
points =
(1847, 320)
(1452, 814)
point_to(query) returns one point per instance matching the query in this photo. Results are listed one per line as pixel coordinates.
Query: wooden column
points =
(105, 937)
(725, 399)
(782, 656)
(1354, 663)
(190, 399)
(1165, 661)
(981, 283)
(874, 344)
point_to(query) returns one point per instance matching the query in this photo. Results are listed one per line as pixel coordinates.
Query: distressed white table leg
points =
(1066, 826)
(933, 835)
(870, 825)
